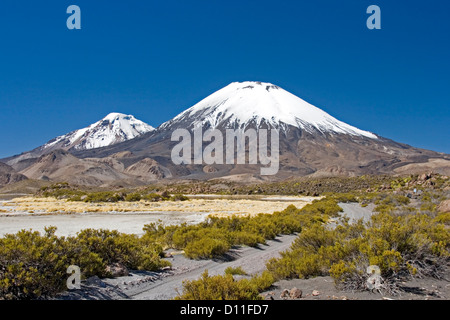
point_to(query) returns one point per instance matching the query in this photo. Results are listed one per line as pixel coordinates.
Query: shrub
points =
(206, 248)
(133, 197)
(179, 197)
(34, 265)
(263, 281)
(408, 245)
(219, 288)
(443, 218)
(104, 197)
(217, 235)
(235, 271)
(428, 207)
(343, 197)
(153, 197)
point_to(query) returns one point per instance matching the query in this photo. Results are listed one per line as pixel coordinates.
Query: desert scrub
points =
(343, 197)
(217, 235)
(178, 197)
(225, 287)
(400, 245)
(206, 248)
(106, 196)
(61, 191)
(126, 249)
(153, 197)
(235, 271)
(443, 218)
(388, 203)
(132, 197)
(219, 288)
(72, 193)
(34, 265)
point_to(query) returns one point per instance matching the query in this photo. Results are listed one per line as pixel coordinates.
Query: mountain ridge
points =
(313, 143)
(112, 129)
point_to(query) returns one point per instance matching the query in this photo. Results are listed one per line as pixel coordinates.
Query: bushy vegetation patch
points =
(33, 265)
(225, 287)
(216, 236)
(235, 271)
(65, 191)
(400, 245)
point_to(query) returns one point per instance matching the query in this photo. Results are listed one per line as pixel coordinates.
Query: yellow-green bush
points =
(133, 197)
(106, 196)
(235, 271)
(179, 197)
(34, 265)
(443, 218)
(406, 244)
(206, 248)
(343, 197)
(262, 281)
(219, 288)
(215, 236)
(226, 287)
(115, 247)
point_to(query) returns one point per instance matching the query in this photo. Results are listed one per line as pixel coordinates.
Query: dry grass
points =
(219, 207)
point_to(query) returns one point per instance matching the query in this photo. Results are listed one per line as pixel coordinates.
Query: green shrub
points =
(443, 218)
(219, 288)
(133, 197)
(34, 265)
(153, 197)
(114, 247)
(107, 196)
(263, 281)
(179, 197)
(217, 235)
(428, 206)
(235, 271)
(408, 244)
(343, 197)
(206, 248)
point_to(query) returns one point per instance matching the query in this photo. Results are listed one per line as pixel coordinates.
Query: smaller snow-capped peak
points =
(112, 129)
(243, 103)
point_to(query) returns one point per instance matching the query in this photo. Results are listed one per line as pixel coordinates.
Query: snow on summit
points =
(248, 102)
(114, 128)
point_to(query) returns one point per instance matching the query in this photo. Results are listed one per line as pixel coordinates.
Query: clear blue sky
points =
(153, 59)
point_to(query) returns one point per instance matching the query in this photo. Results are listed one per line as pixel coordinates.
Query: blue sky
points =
(153, 59)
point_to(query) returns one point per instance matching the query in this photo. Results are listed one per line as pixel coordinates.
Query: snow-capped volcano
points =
(241, 104)
(311, 143)
(114, 128)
